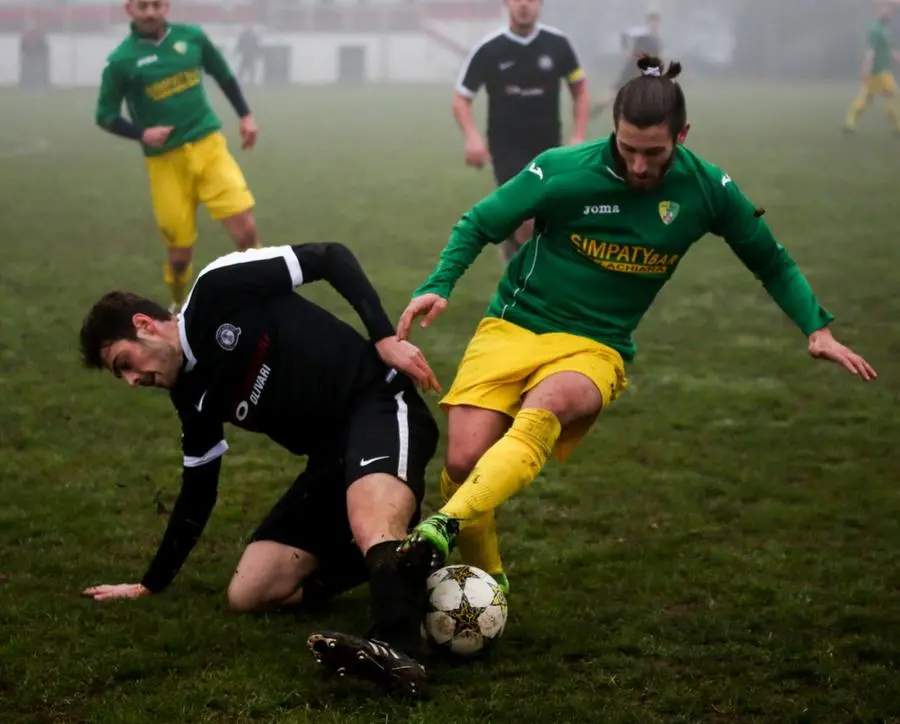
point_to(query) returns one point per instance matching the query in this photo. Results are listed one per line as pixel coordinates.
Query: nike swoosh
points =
(364, 462)
(199, 404)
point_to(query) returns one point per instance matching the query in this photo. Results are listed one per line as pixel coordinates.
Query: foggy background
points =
(398, 41)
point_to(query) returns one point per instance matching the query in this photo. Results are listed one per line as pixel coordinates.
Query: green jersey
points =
(880, 45)
(602, 251)
(161, 84)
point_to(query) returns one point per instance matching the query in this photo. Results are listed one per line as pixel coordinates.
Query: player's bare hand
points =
(249, 132)
(431, 305)
(112, 592)
(822, 345)
(476, 151)
(156, 136)
(408, 358)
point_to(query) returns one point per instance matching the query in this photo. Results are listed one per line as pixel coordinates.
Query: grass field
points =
(725, 547)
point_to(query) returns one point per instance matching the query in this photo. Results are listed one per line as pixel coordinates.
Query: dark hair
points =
(112, 319)
(653, 98)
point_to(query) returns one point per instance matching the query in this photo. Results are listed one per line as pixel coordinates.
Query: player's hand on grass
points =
(112, 592)
(477, 153)
(822, 345)
(249, 132)
(408, 358)
(156, 136)
(431, 305)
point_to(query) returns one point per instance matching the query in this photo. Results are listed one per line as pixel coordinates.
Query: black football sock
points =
(332, 580)
(398, 600)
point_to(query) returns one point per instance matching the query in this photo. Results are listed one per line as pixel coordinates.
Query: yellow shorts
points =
(880, 83)
(504, 361)
(204, 172)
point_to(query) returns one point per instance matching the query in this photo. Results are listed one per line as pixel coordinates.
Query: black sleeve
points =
(202, 444)
(247, 276)
(569, 65)
(192, 509)
(473, 73)
(232, 90)
(336, 264)
(121, 126)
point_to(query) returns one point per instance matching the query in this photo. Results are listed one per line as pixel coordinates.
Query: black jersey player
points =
(249, 351)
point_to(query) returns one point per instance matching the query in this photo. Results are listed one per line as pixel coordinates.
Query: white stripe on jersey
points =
(403, 435)
(505, 30)
(460, 88)
(237, 257)
(215, 452)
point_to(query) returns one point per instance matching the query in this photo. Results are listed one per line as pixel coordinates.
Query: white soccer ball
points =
(467, 609)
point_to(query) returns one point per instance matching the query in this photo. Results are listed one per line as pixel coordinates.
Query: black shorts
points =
(391, 430)
(508, 161)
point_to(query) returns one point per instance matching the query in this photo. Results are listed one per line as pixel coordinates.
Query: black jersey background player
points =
(247, 350)
(521, 67)
(636, 43)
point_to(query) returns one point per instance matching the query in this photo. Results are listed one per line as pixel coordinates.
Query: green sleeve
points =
(875, 39)
(741, 224)
(491, 221)
(214, 62)
(112, 93)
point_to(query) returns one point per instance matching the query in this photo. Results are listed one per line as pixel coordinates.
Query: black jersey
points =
(522, 76)
(263, 358)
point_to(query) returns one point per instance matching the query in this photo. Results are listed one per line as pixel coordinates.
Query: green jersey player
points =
(156, 72)
(614, 219)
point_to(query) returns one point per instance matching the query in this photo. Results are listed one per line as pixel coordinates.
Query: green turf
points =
(723, 548)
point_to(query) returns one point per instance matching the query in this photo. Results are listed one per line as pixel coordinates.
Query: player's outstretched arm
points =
(749, 236)
(491, 221)
(189, 516)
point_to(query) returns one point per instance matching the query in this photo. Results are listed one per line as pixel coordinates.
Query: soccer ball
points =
(467, 609)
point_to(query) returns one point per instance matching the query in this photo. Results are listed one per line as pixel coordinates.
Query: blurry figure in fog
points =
(876, 75)
(249, 50)
(34, 57)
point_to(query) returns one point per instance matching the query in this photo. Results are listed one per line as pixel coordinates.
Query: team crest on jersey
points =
(227, 336)
(668, 210)
(180, 47)
(545, 62)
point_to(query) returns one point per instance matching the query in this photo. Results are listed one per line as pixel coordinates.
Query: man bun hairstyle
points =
(653, 98)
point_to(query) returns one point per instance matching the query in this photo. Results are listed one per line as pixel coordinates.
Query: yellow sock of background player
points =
(177, 282)
(508, 467)
(893, 111)
(859, 103)
(477, 540)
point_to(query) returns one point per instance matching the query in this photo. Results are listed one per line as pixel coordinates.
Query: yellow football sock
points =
(893, 110)
(177, 283)
(855, 109)
(508, 467)
(477, 540)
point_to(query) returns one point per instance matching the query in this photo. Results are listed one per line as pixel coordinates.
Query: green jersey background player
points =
(876, 75)
(614, 218)
(157, 72)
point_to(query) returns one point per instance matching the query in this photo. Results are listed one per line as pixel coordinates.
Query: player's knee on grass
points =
(570, 396)
(242, 228)
(269, 575)
(380, 508)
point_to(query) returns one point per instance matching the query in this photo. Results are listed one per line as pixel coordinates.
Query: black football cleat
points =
(369, 659)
